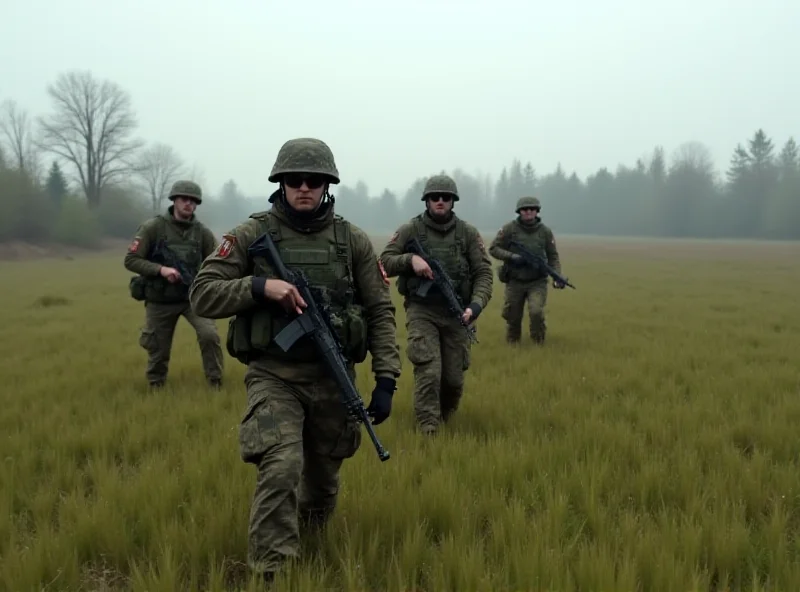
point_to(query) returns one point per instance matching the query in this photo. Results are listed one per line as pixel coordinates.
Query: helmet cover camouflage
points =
(440, 184)
(305, 155)
(188, 189)
(528, 202)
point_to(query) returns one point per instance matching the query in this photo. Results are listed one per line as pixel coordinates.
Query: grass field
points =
(651, 445)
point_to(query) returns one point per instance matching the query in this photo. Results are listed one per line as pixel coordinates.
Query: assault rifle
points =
(443, 282)
(170, 259)
(316, 323)
(536, 261)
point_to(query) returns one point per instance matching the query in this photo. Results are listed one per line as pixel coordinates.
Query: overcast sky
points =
(404, 89)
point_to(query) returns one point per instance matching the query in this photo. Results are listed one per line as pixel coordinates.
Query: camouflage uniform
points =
(523, 283)
(189, 242)
(438, 346)
(295, 429)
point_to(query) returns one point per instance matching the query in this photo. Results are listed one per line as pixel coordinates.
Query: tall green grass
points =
(652, 444)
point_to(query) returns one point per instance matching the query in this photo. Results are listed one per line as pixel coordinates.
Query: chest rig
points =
(451, 251)
(535, 241)
(325, 258)
(171, 242)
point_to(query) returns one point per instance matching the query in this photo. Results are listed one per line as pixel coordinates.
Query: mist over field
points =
(618, 129)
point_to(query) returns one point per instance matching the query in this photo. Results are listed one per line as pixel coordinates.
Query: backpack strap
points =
(341, 233)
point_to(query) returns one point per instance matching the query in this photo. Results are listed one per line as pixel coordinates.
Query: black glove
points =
(380, 407)
(517, 260)
(476, 310)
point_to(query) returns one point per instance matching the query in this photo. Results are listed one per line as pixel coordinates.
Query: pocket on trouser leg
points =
(148, 340)
(420, 349)
(348, 441)
(258, 431)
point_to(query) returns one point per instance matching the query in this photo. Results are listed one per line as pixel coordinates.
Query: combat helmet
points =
(528, 202)
(440, 184)
(305, 155)
(188, 189)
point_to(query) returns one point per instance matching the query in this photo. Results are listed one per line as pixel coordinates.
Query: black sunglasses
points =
(296, 180)
(529, 209)
(445, 197)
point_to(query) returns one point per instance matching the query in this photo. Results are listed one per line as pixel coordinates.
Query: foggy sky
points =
(403, 90)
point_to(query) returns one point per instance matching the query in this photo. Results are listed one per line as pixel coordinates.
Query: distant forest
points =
(80, 173)
(683, 196)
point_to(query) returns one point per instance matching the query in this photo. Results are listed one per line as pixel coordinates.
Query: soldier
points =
(166, 253)
(295, 429)
(438, 346)
(522, 282)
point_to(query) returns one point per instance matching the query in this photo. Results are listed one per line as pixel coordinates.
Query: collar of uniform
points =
(174, 220)
(323, 219)
(443, 227)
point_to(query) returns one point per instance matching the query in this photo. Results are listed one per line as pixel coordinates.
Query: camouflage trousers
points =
(156, 340)
(516, 295)
(439, 350)
(297, 434)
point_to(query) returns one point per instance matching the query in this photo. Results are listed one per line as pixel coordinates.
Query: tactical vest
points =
(326, 260)
(451, 251)
(536, 242)
(186, 248)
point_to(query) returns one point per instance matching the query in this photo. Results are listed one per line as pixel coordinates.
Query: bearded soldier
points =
(166, 253)
(523, 282)
(438, 347)
(296, 430)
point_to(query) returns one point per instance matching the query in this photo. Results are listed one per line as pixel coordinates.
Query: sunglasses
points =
(295, 181)
(445, 197)
(529, 209)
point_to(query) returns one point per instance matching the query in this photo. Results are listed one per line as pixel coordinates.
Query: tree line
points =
(80, 173)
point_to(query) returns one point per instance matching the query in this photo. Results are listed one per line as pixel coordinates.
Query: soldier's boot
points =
(450, 397)
(538, 329)
(215, 383)
(314, 519)
(268, 579)
(513, 332)
(157, 384)
(428, 429)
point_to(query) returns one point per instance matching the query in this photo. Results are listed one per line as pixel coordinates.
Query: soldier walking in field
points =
(523, 282)
(438, 346)
(166, 254)
(296, 430)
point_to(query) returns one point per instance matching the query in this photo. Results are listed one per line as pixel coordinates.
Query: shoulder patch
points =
(134, 246)
(394, 237)
(383, 272)
(226, 246)
(480, 242)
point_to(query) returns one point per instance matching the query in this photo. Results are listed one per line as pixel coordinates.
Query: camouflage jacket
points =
(397, 263)
(147, 235)
(226, 286)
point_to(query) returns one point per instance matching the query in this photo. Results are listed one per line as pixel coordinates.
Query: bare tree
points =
(197, 175)
(91, 129)
(17, 129)
(694, 155)
(157, 168)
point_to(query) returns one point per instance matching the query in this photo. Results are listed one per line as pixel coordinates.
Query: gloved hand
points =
(517, 259)
(380, 407)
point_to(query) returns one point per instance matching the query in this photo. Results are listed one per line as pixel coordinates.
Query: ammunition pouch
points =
(252, 335)
(137, 288)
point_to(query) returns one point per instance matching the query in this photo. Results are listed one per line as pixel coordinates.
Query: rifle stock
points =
(315, 323)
